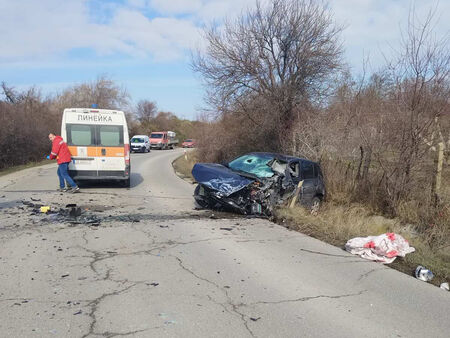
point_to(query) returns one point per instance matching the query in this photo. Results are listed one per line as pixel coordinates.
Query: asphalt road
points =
(155, 267)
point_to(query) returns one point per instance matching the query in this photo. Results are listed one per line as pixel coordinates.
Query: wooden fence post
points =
(296, 193)
(438, 177)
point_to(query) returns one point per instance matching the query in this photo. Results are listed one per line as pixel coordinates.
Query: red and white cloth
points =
(383, 248)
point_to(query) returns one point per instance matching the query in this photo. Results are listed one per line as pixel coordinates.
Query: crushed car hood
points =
(219, 178)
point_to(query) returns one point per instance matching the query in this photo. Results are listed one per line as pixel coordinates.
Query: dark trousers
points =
(63, 174)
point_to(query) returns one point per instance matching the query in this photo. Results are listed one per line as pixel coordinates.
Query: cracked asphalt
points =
(155, 267)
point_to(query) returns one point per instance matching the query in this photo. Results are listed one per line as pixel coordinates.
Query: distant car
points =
(140, 143)
(254, 183)
(189, 143)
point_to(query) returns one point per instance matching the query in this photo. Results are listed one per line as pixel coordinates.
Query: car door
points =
(309, 182)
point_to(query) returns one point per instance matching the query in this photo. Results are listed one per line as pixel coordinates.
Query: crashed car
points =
(255, 183)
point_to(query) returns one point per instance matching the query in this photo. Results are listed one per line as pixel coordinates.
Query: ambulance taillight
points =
(127, 154)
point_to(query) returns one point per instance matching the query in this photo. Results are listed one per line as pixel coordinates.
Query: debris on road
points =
(45, 209)
(423, 274)
(445, 286)
(384, 248)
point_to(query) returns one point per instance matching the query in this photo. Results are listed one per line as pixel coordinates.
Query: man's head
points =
(51, 136)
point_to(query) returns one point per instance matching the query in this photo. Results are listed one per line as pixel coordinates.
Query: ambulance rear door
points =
(82, 142)
(110, 142)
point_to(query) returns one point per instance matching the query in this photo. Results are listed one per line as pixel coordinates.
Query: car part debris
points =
(445, 286)
(423, 274)
(384, 248)
(75, 212)
(45, 209)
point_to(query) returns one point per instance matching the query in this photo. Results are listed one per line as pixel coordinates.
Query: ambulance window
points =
(111, 136)
(79, 135)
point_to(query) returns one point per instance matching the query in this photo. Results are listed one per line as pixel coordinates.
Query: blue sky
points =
(145, 45)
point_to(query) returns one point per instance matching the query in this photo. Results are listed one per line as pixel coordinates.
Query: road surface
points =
(155, 267)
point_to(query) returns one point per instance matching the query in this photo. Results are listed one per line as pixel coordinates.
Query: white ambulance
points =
(99, 144)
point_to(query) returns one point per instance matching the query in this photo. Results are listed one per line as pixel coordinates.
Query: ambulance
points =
(99, 144)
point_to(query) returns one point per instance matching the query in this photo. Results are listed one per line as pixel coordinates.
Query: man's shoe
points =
(62, 189)
(74, 190)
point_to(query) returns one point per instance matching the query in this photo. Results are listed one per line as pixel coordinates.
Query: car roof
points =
(278, 156)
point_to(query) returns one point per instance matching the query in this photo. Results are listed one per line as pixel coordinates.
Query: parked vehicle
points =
(189, 143)
(99, 144)
(163, 140)
(140, 143)
(254, 183)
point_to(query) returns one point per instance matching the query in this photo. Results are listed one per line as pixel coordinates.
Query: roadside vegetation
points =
(183, 165)
(27, 117)
(277, 81)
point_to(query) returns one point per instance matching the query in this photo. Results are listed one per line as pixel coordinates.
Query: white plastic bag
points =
(383, 248)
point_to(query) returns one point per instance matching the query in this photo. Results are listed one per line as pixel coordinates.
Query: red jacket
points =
(60, 150)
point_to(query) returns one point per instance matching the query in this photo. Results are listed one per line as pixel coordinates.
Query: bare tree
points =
(282, 54)
(103, 92)
(146, 110)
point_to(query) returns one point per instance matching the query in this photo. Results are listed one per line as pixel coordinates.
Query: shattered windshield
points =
(256, 164)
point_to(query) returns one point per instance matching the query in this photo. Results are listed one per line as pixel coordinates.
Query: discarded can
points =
(445, 286)
(423, 274)
(45, 209)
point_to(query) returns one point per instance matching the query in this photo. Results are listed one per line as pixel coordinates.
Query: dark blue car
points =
(254, 183)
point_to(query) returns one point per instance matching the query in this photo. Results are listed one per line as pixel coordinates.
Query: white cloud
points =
(33, 30)
(373, 27)
(164, 29)
(176, 6)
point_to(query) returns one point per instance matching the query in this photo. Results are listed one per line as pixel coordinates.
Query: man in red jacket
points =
(61, 152)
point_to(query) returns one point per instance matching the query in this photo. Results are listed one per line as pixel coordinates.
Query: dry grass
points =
(183, 165)
(336, 224)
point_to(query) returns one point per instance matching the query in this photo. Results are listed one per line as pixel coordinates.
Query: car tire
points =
(315, 206)
(199, 203)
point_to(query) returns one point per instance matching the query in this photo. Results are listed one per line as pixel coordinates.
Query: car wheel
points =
(199, 202)
(315, 206)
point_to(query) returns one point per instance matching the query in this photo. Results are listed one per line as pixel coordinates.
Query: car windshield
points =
(255, 164)
(137, 140)
(188, 141)
(156, 136)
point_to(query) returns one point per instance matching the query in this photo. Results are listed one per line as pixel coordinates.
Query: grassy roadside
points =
(339, 222)
(13, 169)
(183, 165)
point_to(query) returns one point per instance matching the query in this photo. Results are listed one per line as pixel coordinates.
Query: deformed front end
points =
(220, 187)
